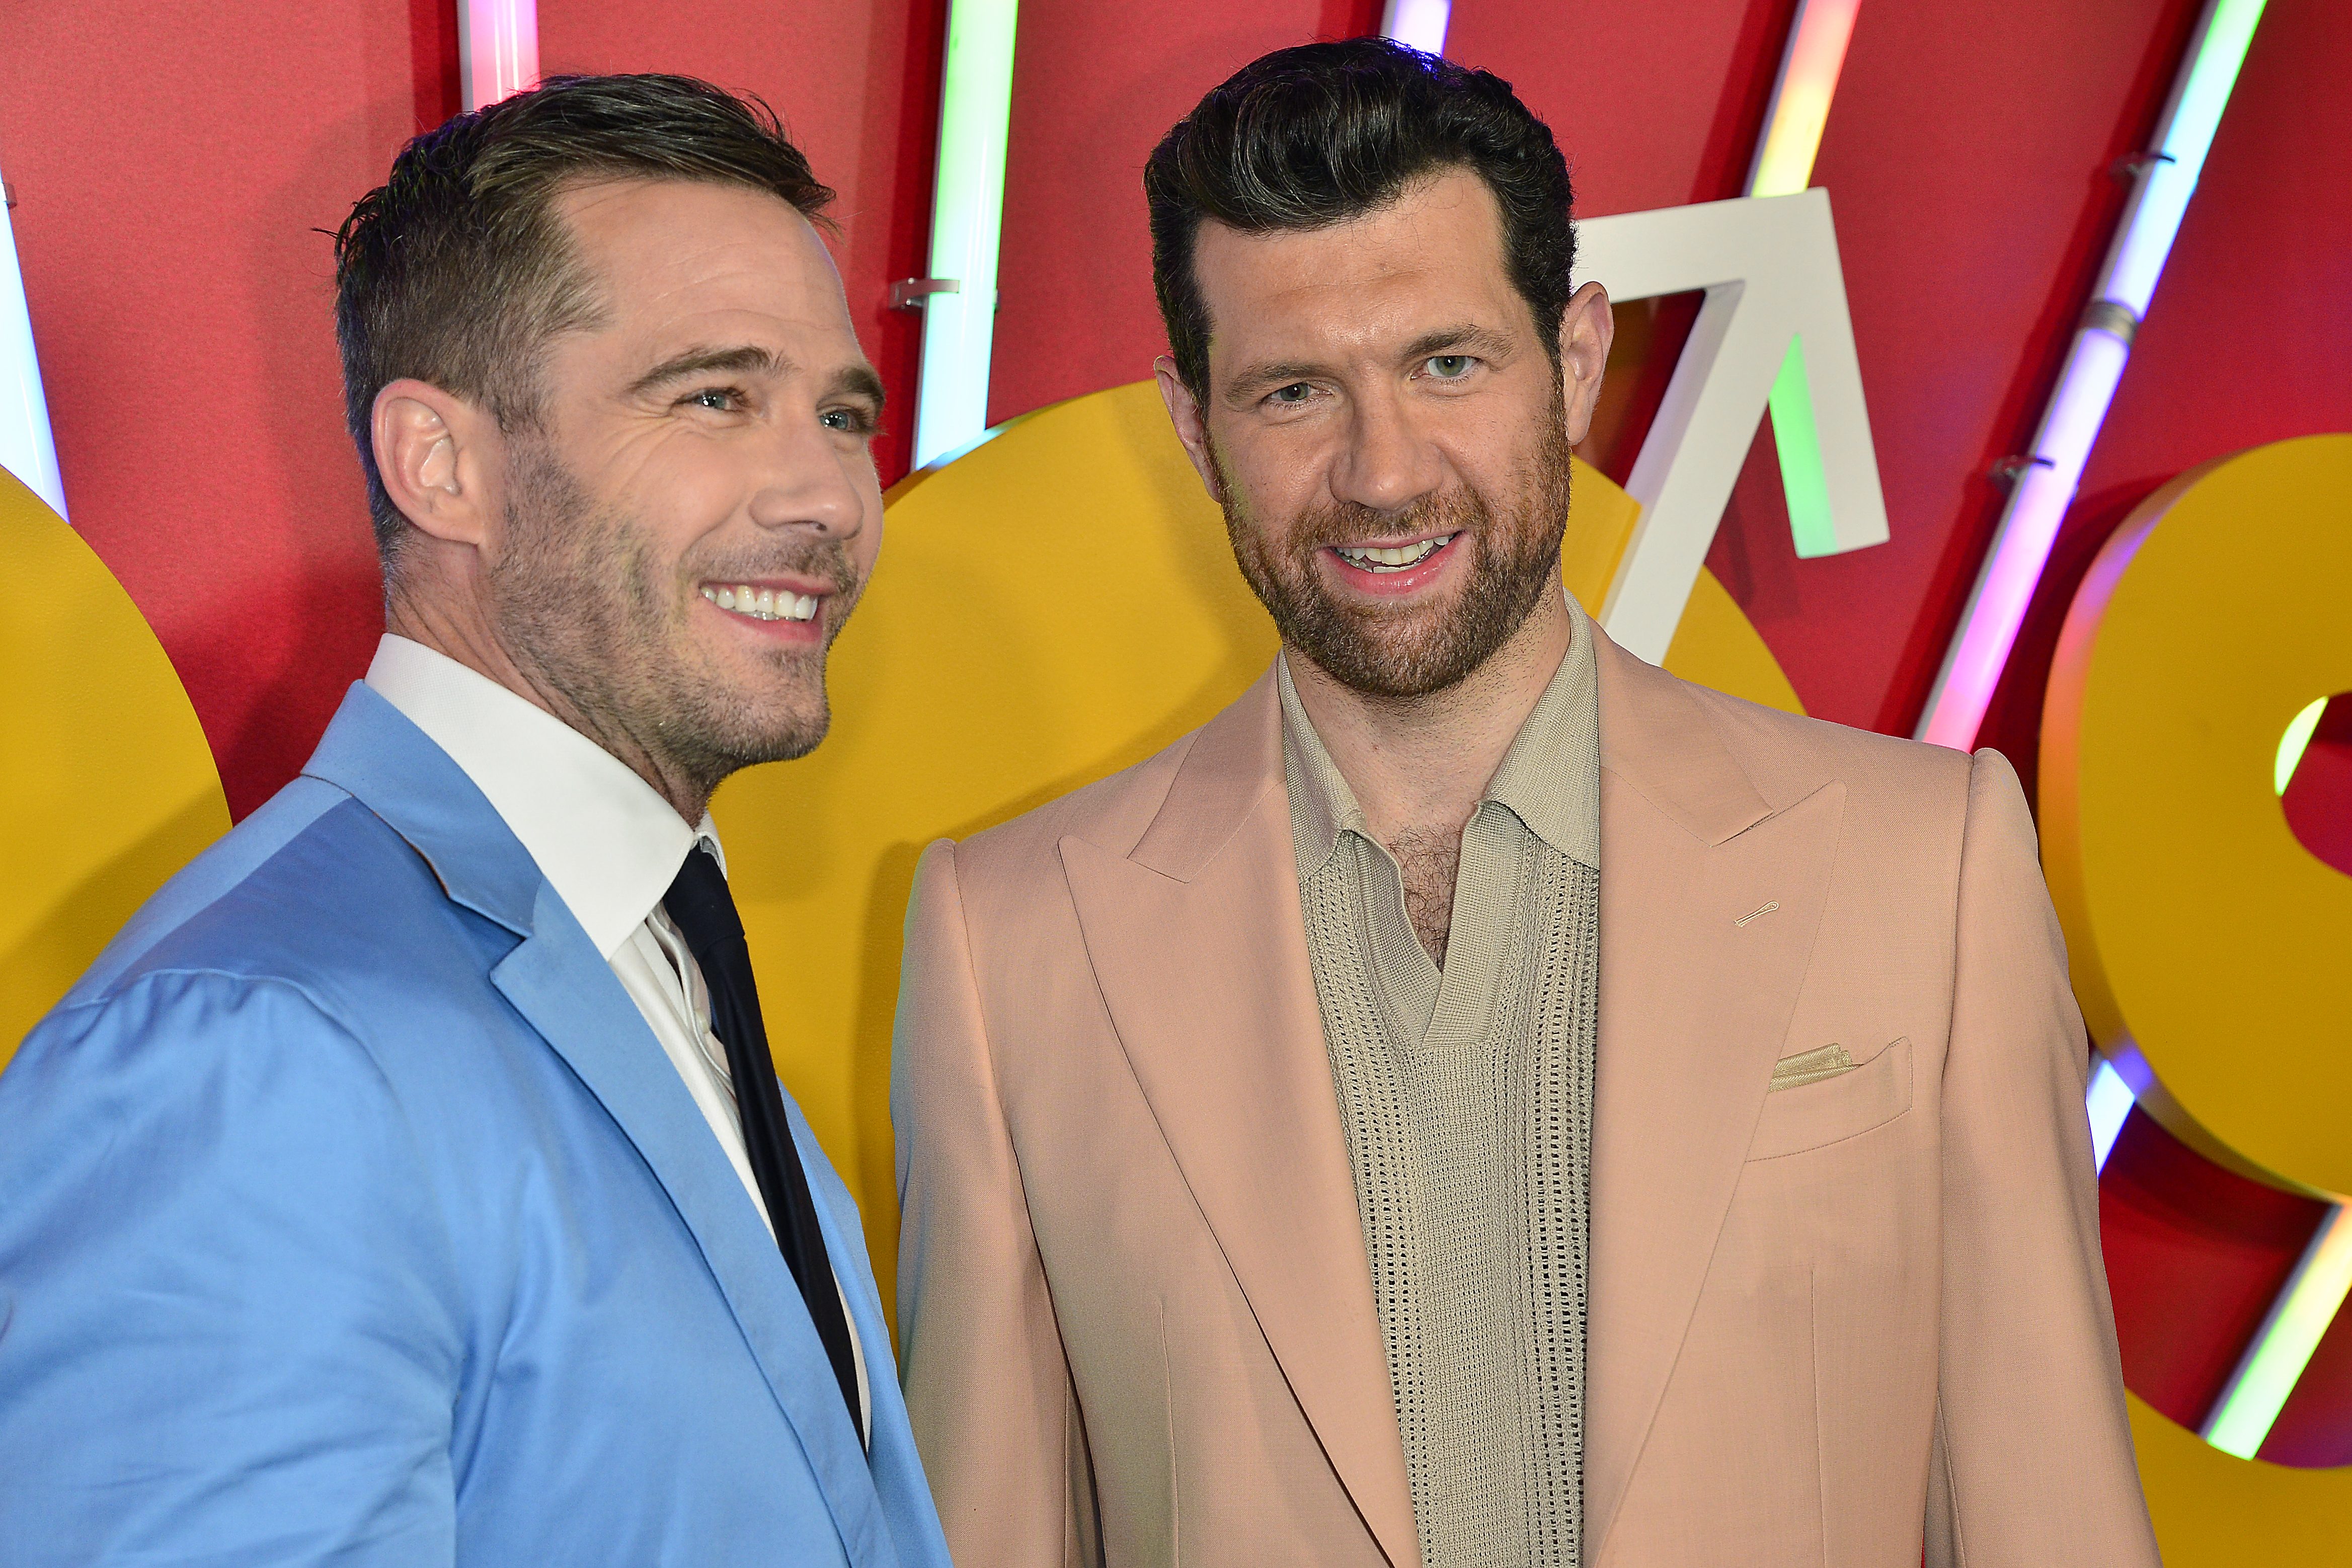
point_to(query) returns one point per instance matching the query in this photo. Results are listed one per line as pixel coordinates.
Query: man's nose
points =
(1386, 464)
(812, 484)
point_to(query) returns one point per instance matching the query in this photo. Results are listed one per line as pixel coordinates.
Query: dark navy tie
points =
(704, 912)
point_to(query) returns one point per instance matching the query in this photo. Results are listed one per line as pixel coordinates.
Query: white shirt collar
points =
(605, 840)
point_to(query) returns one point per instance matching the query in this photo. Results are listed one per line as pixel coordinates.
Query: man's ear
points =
(1586, 330)
(1192, 424)
(439, 458)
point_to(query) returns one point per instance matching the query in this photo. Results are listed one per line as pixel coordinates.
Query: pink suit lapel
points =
(1693, 1009)
(1198, 944)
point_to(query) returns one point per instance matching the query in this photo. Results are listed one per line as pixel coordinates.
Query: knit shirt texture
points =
(1467, 1099)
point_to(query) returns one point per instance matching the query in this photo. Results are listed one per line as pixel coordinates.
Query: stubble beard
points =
(1406, 653)
(588, 607)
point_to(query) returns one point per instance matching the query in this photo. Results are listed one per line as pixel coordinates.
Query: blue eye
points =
(1296, 391)
(850, 421)
(1450, 368)
(719, 400)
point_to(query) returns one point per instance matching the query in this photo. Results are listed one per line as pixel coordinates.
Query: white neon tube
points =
(967, 223)
(1418, 23)
(27, 449)
(2109, 1103)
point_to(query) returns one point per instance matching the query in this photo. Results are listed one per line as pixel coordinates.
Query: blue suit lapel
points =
(558, 981)
(562, 985)
(897, 1468)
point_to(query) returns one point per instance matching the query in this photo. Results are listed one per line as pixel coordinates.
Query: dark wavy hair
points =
(1308, 137)
(454, 271)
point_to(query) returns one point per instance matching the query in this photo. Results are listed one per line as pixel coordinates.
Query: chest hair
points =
(1427, 859)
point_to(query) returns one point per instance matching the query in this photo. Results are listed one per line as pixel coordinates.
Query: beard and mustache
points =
(1401, 652)
(587, 603)
(586, 600)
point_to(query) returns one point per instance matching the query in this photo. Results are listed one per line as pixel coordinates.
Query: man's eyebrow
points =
(1463, 336)
(858, 380)
(741, 360)
(853, 381)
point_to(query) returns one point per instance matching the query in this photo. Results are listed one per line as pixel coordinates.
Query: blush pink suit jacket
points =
(1827, 1324)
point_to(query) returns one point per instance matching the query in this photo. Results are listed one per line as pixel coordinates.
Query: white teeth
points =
(763, 603)
(1394, 558)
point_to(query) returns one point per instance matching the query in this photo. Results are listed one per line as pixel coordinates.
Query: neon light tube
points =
(2028, 526)
(1801, 98)
(2199, 96)
(2078, 405)
(2109, 1101)
(2283, 1347)
(27, 449)
(1783, 166)
(1804, 478)
(498, 50)
(966, 222)
(1418, 23)
(2292, 744)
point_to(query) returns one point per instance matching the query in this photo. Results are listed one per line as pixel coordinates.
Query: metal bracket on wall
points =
(913, 293)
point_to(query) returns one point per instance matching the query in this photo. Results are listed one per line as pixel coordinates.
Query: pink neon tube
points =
(2028, 529)
(498, 50)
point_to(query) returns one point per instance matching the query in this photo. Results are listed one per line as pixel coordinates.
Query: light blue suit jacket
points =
(350, 1213)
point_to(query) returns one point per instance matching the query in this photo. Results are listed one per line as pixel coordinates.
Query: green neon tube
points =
(967, 221)
(2283, 1347)
(1803, 481)
(2292, 744)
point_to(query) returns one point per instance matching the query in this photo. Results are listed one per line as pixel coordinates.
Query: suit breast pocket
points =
(1832, 1109)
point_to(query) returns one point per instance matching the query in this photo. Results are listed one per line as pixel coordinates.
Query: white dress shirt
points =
(609, 844)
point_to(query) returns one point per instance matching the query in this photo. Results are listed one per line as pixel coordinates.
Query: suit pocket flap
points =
(1834, 1107)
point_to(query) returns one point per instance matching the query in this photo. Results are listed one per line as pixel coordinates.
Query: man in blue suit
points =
(409, 1184)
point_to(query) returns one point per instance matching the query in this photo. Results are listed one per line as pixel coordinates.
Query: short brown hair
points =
(454, 272)
(1318, 134)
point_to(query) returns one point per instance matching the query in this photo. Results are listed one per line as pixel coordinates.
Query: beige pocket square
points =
(1810, 1067)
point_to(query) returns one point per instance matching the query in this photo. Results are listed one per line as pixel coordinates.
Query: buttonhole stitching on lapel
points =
(1754, 914)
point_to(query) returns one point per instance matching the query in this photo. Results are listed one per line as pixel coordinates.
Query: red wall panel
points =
(1654, 106)
(1094, 89)
(171, 171)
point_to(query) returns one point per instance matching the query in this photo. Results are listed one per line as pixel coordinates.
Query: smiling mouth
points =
(1392, 558)
(763, 603)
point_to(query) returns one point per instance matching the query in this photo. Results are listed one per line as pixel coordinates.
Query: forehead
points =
(703, 256)
(1435, 252)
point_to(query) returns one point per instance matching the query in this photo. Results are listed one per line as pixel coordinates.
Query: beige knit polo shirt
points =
(1467, 1097)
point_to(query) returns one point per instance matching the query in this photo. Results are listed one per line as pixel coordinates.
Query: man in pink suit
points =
(1482, 1100)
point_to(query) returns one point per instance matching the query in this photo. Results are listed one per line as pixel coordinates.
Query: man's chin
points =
(727, 728)
(1399, 669)
(788, 742)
